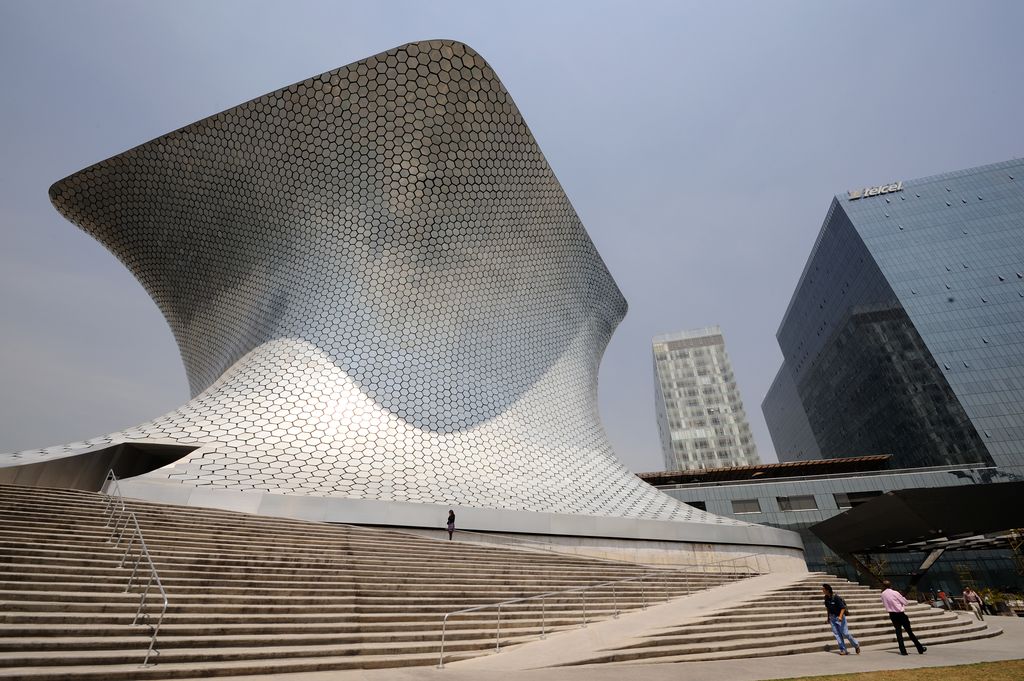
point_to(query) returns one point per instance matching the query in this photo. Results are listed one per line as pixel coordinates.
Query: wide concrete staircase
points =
(258, 595)
(792, 620)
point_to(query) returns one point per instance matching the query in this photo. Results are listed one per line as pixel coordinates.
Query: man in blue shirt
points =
(836, 608)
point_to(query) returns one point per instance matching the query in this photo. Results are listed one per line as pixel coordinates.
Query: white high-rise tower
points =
(700, 413)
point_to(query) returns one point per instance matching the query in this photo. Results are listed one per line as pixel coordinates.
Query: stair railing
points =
(582, 590)
(124, 525)
(758, 558)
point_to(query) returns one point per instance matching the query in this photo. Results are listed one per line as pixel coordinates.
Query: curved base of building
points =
(631, 539)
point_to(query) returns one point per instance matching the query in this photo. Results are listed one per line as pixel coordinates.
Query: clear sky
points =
(700, 143)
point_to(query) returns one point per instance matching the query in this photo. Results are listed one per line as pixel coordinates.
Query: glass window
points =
(746, 506)
(801, 503)
(852, 499)
(702, 505)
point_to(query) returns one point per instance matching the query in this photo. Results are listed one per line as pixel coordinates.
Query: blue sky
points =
(699, 142)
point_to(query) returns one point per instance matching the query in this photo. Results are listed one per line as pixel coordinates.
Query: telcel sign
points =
(874, 191)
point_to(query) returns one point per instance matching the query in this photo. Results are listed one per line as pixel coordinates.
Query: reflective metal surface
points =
(905, 334)
(379, 290)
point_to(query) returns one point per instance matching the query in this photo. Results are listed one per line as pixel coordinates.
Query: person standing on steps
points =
(836, 609)
(974, 602)
(451, 523)
(895, 605)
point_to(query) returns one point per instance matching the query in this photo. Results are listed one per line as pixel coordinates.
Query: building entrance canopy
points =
(932, 520)
(924, 519)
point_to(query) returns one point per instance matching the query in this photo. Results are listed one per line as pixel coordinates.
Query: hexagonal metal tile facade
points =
(379, 290)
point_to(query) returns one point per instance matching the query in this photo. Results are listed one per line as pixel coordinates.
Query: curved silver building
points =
(380, 291)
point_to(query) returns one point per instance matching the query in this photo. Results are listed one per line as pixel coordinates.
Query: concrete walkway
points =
(1009, 646)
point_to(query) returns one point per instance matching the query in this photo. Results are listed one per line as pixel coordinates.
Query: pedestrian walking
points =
(451, 523)
(974, 601)
(836, 609)
(895, 604)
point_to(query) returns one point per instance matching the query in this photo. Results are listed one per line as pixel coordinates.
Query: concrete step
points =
(286, 621)
(13, 590)
(384, 592)
(140, 640)
(764, 646)
(781, 630)
(782, 624)
(164, 670)
(168, 555)
(26, 570)
(171, 655)
(775, 626)
(236, 525)
(806, 647)
(817, 614)
(132, 637)
(347, 598)
(408, 613)
(261, 595)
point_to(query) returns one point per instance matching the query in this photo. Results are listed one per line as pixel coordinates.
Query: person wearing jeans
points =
(895, 605)
(836, 609)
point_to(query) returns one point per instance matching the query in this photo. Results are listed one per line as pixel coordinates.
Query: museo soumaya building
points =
(386, 306)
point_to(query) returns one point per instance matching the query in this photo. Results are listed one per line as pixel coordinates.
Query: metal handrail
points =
(756, 556)
(542, 597)
(119, 519)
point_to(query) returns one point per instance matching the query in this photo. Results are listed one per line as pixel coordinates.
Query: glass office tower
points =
(905, 335)
(787, 421)
(701, 419)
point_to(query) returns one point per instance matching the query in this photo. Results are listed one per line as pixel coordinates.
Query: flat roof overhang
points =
(951, 518)
(768, 471)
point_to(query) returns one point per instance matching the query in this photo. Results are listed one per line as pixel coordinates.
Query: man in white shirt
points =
(895, 604)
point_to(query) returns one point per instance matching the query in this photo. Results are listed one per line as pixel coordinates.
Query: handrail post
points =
(120, 526)
(142, 599)
(444, 627)
(156, 630)
(135, 569)
(615, 601)
(114, 519)
(643, 594)
(584, 594)
(128, 549)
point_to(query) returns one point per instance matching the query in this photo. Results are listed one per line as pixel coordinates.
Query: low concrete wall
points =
(704, 556)
(654, 542)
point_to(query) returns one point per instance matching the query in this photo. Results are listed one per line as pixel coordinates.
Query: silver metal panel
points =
(380, 291)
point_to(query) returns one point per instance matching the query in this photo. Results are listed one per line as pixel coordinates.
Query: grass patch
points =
(1010, 670)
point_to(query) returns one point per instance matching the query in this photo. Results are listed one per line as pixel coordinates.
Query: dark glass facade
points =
(787, 421)
(905, 335)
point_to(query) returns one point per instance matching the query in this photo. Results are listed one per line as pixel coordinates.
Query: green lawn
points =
(1012, 670)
